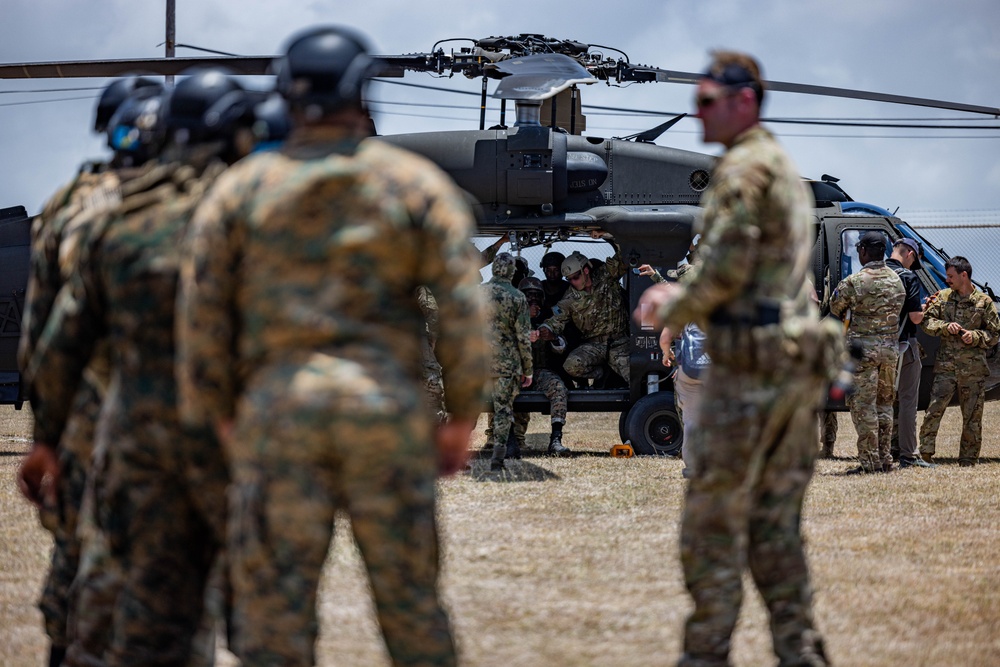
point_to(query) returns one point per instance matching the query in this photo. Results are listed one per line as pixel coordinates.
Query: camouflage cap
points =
(575, 262)
(504, 265)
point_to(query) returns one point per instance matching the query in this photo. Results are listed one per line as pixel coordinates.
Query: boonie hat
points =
(913, 245)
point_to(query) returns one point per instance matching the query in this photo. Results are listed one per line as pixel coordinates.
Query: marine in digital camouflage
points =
(601, 315)
(299, 324)
(510, 347)
(433, 382)
(959, 367)
(874, 295)
(56, 235)
(770, 360)
(154, 483)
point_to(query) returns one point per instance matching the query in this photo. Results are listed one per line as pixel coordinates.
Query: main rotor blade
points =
(108, 68)
(671, 76)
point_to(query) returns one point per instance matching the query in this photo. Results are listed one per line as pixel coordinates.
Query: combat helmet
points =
(552, 258)
(575, 262)
(116, 92)
(531, 284)
(271, 124)
(208, 105)
(324, 70)
(133, 130)
(504, 266)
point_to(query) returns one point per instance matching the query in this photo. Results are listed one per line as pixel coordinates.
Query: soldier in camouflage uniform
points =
(433, 382)
(544, 379)
(300, 343)
(596, 304)
(874, 296)
(57, 234)
(511, 363)
(966, 321)
(770, 359)
(158, 490)
(828, 427)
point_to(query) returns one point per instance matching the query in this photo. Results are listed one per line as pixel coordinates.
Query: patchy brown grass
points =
(574, 561)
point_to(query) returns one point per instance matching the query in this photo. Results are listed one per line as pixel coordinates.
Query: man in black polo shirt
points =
(904, 261)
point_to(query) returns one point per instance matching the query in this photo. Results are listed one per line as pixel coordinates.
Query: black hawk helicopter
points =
(540, 181)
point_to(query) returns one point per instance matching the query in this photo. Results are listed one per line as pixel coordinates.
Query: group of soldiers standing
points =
(881, 306)
(222, 350)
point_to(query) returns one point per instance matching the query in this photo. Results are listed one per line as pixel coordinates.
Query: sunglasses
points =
(574, 276)
(706, 100)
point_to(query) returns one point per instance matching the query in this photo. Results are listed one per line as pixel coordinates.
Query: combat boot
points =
(513, 448)
(928, 458)
(556, 447)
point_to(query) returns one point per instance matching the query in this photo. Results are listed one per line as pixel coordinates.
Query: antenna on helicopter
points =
(651, 135)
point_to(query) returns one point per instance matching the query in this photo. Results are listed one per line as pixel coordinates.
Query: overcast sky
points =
(923, 48)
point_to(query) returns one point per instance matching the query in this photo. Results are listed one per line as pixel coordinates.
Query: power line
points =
(61, 99)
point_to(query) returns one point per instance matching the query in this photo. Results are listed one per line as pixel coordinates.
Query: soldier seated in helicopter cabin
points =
(596, 304)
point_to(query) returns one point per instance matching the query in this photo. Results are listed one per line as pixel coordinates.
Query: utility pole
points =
(171, 35)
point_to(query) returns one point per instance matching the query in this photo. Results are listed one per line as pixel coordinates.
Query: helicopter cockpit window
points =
(849, 262)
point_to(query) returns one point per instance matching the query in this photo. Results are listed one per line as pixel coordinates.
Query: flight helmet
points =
(114, 94)
(324, 70)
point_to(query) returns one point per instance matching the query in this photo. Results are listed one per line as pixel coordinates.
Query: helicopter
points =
(541, 182)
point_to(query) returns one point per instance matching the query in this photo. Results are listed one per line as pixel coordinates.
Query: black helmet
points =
(552, 259)
(271, 123)
(133, 131)
(115, 94)
(530, 284)
(325, 68)
(207, 105)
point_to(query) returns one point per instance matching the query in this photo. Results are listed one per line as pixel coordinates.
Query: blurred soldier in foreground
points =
(300, 343)
(57, 236)
(158, 491)
(967, 323)
(595, 303)
(544, 379)
(511, 362)
(904, 261)
(770, 360)
(872, 298)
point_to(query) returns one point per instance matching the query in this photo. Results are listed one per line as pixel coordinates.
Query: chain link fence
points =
(973, 234)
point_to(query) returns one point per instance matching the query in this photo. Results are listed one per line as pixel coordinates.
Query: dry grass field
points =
(574, 561)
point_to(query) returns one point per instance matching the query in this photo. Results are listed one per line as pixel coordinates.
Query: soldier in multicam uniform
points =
(511, 361)
(300, 343)
(770, 359)
(544, 379)
(966, 321)
(155, 486)
(874, 296)
(596, 304)
(56, 240)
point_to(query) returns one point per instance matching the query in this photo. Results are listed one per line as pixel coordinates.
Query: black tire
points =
(654, 427)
